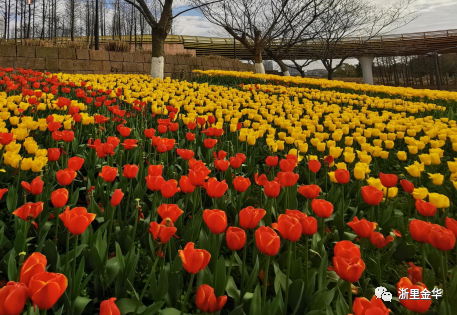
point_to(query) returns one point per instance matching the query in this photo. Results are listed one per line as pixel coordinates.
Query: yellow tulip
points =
(375, 182)
(349, 140)
(413, 149)
(426, 159)
(436, 160)
(359, 173)
(440, 201)
(341, 166)
(437, 179)
(455, 184)
(321, 147)
(402, 156)
(413, 170)
(393, 191)
(452, 166)
(384, 155)
(332, 177)
(335, 152)
(420, 193)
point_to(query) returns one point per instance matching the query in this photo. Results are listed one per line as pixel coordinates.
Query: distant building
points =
(268, 64)
(317, 73)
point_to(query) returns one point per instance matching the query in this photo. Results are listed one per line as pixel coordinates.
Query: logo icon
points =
(381, 293)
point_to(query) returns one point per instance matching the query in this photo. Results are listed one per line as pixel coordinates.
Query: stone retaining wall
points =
(70, 60)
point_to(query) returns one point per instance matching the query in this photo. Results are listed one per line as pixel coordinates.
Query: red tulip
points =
(414, 273)
(309, 191)
(363, 228)
(214, 188)
(59, 197)
(211, 119)
(108, 173)
(372, 195)
(235, 237)
(154, 183)
(272, 161)
(329, 159)
(194, 260)
(241, 184)
(108, 307)
(191, 125)
(250, 217)
(129, 144)
(376, 306)
(206, 301)
(407, 186)
(117, 197)
(388, 180)
(346, 249)
(322, 208)
(209, 143)
(420, 230)
(419, 305)
(379, 240)
(6, 138)
(451, 224)
(130, 171)
(35, 264)
(201, 120)
(427, 209)
(185, 185)
(169, 188)
(272, 189)
(77, 219)
(441, 238)
(155, 170)
(216, 220)
(221, 165)
(162, 232)
(314, 166)
(125, 131)
(171, 211)
(267, 241)
(29, 211)
(309, 226)
(13, 297)
(287, 165)
(236, 162)
(289, 227)
(342, 176)
(348, 268)
(190, 136)
(288, 179)
(53, 154)
(2, 192)
(68, 135)
(35, 187)
(46, 288)
(75, 163)
(149, 133)
(260, 180)
(185, 154)
(65, 177)
(197, 178)
(296, 214)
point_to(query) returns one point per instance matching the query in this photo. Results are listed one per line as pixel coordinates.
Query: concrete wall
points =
(70, 60)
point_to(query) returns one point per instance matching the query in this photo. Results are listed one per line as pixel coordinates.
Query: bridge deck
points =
(385, 45)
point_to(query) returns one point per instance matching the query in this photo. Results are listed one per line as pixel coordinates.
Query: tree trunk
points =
(158, 60)
(330, 74)
(259, 68)
(283, 66)
(96, 27)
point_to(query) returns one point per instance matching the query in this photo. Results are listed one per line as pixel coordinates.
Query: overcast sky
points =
(434, 15)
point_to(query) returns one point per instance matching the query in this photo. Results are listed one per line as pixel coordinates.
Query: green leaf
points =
(80, 304)
(238, 311)
(256, 303)
(232, 290)
(170, 311)
(219, 278)
(78, 278)
(322, 299)
(127, 306)
(112, 269)
(20, 242)
(296, 290)
(66, 259)
(162, 285)
(153, 309)
(74, 198)
(12, 266)
(44, 229)
(11, 198)
(253, 276)
(280, 279)
(404, 251)
(50, 251)
(322, 274)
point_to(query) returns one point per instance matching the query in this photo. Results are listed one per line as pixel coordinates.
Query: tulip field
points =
(234, 193)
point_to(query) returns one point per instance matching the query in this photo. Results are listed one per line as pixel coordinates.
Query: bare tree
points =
(160, 27)
(363, 19)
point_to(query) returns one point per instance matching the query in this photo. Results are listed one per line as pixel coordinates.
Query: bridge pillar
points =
(367, 68)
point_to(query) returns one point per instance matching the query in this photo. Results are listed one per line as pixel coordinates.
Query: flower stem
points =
(289, 252)
(306, 257)
(243, 268)
(230, 267)
(444, 269)
(265, 281)
(350, 297)
(189, 287)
